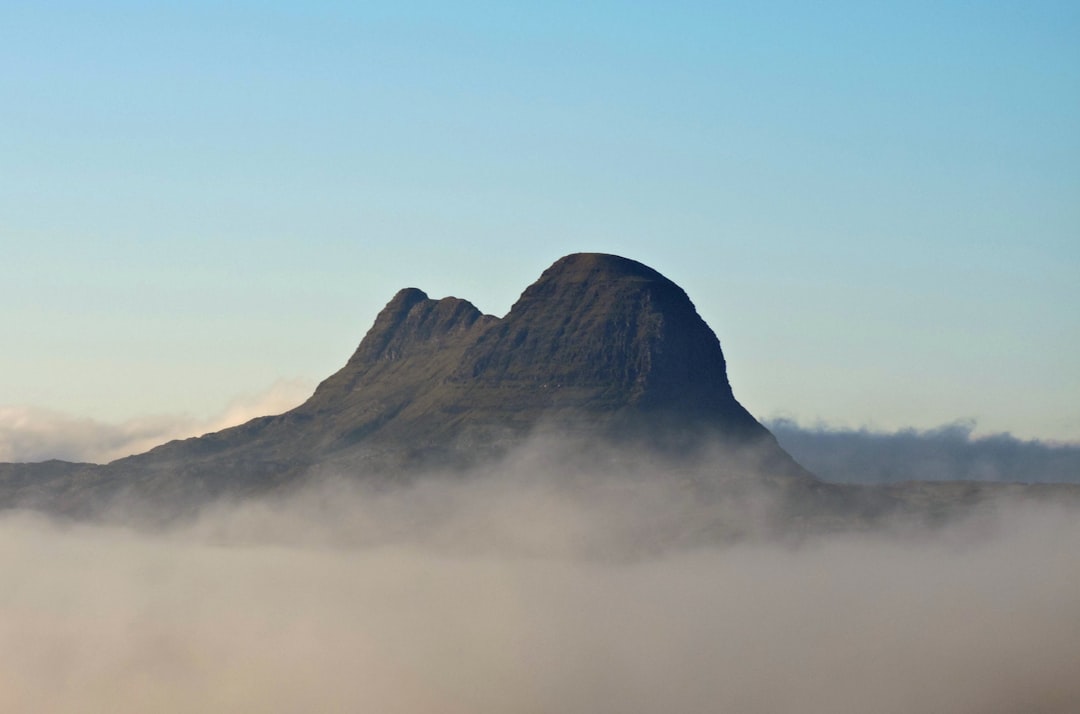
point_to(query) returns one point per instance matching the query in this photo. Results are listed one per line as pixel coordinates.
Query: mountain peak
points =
(597, 337)
(606, 336)
(411, 328)
(580, 267)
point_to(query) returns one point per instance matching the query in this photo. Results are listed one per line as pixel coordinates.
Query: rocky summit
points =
(597, 340)
(601, 350)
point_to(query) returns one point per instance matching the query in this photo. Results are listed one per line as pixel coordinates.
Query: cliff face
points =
(600, 346)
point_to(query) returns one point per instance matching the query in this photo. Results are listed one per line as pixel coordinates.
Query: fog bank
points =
(508, 592)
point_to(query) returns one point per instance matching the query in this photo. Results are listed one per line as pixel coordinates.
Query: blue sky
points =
(876, 206)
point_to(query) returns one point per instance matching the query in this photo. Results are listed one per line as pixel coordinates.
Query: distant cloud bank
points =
(946, 453)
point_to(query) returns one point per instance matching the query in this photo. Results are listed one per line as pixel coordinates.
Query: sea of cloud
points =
(541, 586)
(535, 587)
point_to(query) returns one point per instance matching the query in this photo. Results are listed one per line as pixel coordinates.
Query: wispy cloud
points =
(36, 434)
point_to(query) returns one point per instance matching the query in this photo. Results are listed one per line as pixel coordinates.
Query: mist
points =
(543, 584)
(950, 452)
(39, 434)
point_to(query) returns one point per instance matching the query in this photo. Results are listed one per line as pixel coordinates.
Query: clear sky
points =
(875, 205)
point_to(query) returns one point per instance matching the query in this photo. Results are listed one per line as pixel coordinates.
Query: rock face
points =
(599, 346)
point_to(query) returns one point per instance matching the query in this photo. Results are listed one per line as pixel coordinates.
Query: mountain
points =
(597, 340)
(601, 350)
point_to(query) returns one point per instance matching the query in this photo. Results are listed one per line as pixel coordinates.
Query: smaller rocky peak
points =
(389, 321)
(437, 319)
(412, 325)
(412, 320)
(398, 307)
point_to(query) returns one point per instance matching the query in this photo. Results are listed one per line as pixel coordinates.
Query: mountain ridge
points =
(601, 350)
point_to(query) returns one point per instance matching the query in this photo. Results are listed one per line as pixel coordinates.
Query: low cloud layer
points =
(533, 588)
(947, 453)
(539, 586)
(36, 434)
